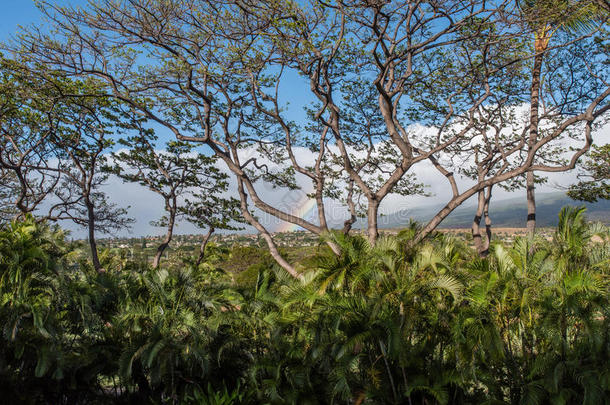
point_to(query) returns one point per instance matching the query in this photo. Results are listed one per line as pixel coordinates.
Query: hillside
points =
(504, 213)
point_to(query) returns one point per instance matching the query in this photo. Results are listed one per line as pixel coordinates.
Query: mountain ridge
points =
(511, 212)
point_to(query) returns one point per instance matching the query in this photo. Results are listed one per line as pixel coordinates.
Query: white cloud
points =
(147, 206)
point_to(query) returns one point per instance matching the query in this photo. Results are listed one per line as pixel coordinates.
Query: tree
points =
(173, 174)
(546, 17)
(207, 210)
(501, 137)
(596, 172)
(55, 132)
(497, 132)
(220, 84)
(85, 137)
(369, 68)
(29, 118)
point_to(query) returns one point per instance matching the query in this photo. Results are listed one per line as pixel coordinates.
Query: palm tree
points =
(374, 320)
(48, 326)
(573, 313)
(545, 18)
(534, 327)
(176, 335)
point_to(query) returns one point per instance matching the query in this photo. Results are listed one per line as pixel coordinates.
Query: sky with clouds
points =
(146, 206)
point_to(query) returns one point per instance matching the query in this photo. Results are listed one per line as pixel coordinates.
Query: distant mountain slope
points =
(504, 213)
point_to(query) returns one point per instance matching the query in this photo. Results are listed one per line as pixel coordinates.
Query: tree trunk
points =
(487, 243)
(91, 236)
(168, 238)
(347, 225)
(273, 250)
(540, 45)
(531, 204)
(204, 243)
(320, 204)
(372, 229)
(482, 246)
(476, 223)
(20, 203)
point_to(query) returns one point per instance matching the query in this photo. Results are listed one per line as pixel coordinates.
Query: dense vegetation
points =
(310, 115)
(430, 323)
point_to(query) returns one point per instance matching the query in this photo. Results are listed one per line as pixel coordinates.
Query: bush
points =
(386, 324)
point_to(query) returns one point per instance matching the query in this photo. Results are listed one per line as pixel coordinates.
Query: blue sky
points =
(146, 206)
(15, 13)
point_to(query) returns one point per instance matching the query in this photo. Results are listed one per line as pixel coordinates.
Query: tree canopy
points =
(394, 86)
(595, 175)
(212, 106)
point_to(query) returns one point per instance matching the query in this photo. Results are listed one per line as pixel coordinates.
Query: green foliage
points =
(391, 323)
(47, 319)
(595, 175)
(212, 397)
